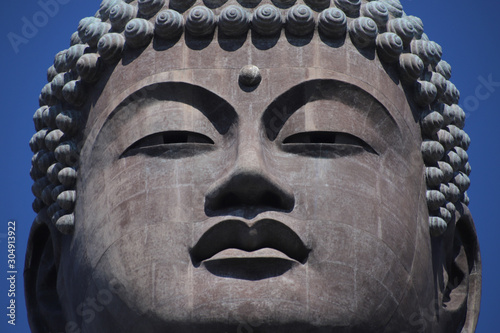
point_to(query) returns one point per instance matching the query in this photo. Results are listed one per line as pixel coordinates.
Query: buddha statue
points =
(251, 166)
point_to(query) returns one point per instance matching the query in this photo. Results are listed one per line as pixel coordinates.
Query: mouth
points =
(266, 242)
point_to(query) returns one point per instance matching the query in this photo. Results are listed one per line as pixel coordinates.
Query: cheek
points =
(356, 271)
(124, 196)
(150, 271)
(353, 190)
(364, 223)
(366, 240)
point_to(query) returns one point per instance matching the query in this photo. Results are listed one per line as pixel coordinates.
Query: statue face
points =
(292, 205)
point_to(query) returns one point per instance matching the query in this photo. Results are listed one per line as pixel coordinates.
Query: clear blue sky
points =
(468, 32)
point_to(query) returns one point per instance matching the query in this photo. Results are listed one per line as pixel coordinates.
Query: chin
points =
(300, 299)
(259, 316)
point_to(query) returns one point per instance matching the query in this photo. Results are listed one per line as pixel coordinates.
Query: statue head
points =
(267, 166)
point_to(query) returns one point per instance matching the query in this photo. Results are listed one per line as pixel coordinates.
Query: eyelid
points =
(327, 139)
(162, 140)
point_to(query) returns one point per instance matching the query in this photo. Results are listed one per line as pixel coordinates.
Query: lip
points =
(265, 238)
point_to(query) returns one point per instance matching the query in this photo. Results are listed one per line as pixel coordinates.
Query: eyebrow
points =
(218, 111)
(285, 105)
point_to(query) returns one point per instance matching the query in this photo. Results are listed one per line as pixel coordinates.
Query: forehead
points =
(283, 65)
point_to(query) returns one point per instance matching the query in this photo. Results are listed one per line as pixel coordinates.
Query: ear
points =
(459, 275)
(45, 312)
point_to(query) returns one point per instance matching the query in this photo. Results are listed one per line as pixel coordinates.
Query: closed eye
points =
(325, 144)
(172, 144)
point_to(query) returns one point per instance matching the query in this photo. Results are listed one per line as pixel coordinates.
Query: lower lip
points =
(240, 254)
(257, 265)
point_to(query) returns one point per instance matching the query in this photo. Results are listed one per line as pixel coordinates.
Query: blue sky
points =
(467, 31)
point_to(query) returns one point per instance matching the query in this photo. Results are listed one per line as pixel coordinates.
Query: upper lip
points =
(236, 234)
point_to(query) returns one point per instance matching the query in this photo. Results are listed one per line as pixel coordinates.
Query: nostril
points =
(249, 194)
(274, 200)
(226, 201)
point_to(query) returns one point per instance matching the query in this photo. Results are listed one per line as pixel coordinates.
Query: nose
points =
(249, 189)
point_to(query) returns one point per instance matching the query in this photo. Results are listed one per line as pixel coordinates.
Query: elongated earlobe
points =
(45, 313)
(459, 276)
